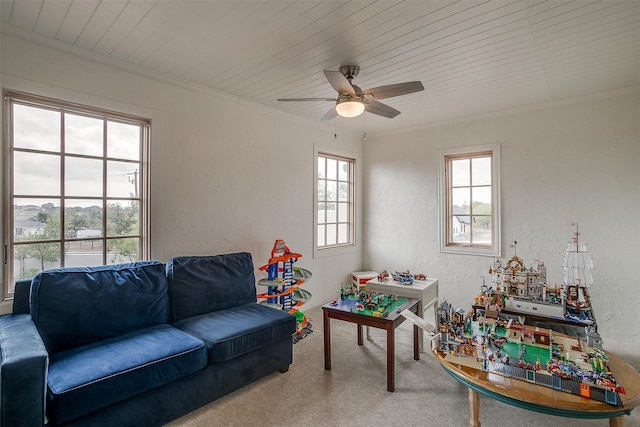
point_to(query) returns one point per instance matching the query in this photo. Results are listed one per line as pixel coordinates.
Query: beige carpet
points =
(354, 392)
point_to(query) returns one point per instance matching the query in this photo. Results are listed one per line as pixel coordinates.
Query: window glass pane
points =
(461, 229)
(343, 191)
(123, 250)
(460, 198)
(332, 191)
(36, 128)
(481, 169)
(331, 212)
(30, 259)
(83, 177)
(343, 233)
(482, 230)
(322, 213)
(36, 174)
(321, 167)
(83, 135)
(331, 234)
(123, 179)
(481, 200)
(321, 233)
(322, 190)
(460, 172)
(83, 253)
(36, 219)
(123, 218)
(343, 212)
(343, 170)
(332, 169)
(123, 141)
(82, 219)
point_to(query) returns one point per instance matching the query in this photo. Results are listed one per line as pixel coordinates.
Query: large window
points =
(76, 187)
(335, 199)
(470, 200)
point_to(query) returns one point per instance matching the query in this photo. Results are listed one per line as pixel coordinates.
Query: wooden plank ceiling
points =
(473, 57)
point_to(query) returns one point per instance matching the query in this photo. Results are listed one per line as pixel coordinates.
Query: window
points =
(77, 187)
(335, 200)
(470, 200)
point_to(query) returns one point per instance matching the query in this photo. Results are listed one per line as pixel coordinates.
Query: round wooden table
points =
(542, 399)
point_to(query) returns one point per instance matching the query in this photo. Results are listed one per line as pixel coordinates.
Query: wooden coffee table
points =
(343, 310)
(542, 399)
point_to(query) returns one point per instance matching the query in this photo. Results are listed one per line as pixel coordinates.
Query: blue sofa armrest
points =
(23, 372)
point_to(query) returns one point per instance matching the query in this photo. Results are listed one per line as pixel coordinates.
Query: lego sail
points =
(577, 264)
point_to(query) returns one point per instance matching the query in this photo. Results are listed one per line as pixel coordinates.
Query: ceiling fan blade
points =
(331, 114)
(307, 99)
(339, 82)
(375, 107)
(397, 89)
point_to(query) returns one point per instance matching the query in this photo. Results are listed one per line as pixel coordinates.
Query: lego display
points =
(283, 283)
(373, 304)
(526, 353)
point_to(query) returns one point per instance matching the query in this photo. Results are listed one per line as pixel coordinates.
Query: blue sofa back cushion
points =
(80, 305)
(201, 284)
(239, 330)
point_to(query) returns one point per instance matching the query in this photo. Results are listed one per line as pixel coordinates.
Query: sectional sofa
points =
(136, 344)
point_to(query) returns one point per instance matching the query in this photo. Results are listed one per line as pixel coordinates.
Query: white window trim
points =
(343, 249)
(496, 249)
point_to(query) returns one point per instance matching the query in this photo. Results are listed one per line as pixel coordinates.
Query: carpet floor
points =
(354, 392)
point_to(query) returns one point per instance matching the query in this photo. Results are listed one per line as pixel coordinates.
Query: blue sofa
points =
(136, 344)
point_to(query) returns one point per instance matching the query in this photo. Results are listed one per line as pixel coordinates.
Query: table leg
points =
(616, 421)
(359, 334)
(474, 408)
(391, 355)
(421, 314)
(416, 342)
(327, 341)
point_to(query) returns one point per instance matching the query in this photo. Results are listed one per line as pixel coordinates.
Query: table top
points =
(417, 284)
(547, 400)
(347, 306)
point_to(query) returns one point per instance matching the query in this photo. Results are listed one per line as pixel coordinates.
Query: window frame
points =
(352, 158)
(446, 246)
(107, 116)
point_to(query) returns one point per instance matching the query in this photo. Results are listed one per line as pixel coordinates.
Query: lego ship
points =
(519, 289)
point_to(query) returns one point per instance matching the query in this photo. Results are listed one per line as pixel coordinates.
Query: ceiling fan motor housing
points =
(350, 71)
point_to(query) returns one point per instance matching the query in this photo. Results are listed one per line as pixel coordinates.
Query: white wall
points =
(560, 164)
(225, 176)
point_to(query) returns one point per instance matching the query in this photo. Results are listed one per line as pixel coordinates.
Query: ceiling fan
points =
(353, 101)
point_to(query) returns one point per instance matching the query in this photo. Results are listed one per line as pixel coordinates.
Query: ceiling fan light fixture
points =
(349, 107)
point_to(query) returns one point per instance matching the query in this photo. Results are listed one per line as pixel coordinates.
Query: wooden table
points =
(343, 311)
(542, 399)
(425, 290)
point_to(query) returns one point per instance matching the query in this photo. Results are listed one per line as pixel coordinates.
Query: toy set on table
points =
(283, 286)
(367, 303)
(526, 353)
(402, 277)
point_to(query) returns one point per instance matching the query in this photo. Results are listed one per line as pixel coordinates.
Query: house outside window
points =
(334, 201)
(470, 200)
(77, 187)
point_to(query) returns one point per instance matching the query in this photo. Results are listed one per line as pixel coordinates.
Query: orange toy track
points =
(283, 293)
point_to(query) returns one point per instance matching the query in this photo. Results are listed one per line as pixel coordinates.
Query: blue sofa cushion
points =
(21, 296)
(87, 378)
(201, 284)
(77, 306)
(239, 330)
